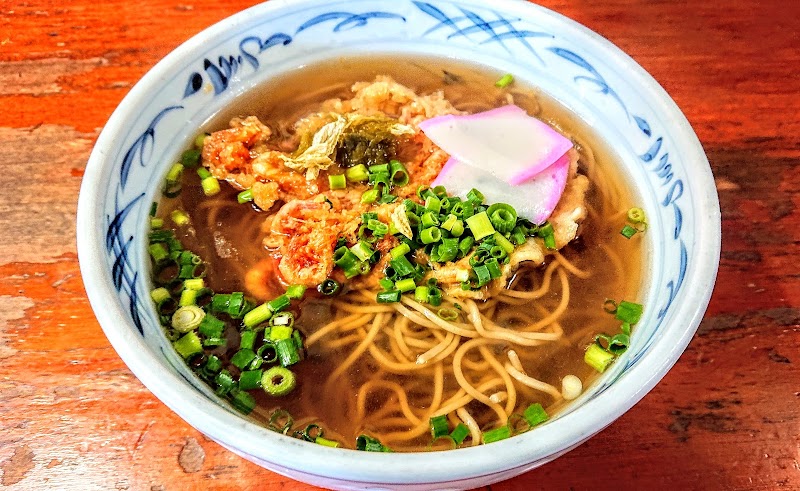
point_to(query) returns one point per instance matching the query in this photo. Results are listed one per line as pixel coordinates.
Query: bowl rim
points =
(291, 455)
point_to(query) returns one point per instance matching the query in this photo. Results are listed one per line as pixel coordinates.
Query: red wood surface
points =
(726, 417)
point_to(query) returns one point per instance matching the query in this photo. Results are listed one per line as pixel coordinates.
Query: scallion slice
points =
(389, 296)
(357, 173)
(627, 231)
(629, 312)
(187, 318)
(337, 181)
(277, 382)
(535, 414)
(504, 81)
(329, 287)
(496, 434)
(398, 173)
(480, 226)
(459, 433)
(439, 426)
(245, 196)
(598, 358)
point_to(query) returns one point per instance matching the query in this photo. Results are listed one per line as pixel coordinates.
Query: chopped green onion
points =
(421, 294)
(405, 285)
(279, 303)
(211, 327)
(439, 426)
(243, 401)
(504, 243)
(369, 444)
(379, 169)
(288, 354)
(625, 328)
(448, 250)
(402, 266)
(430, 235)
(280, 416)
(362, 251)
(627, 231)
(156, 222)
(465, 245)
(188, 298)
(172, 183)
(450, 315)
(248, 339)
(388, 297)
(323, 441)
(260, 314)
(399, 173)
(483, 274)
(504, 81)
(370, 196)
(188, 345)
(357, 173)
(378, 228)
(345, 259)
(496, 434)
(494, 268)
(535, 414)
(610, 306)
(636, 215)
(400, 250)
(245, 196)
(619, 344)
(296, 292)
(179, 217)
(433, 204)
(160, 295)
(434, 296)
(329, 287)
(337, 181)
(475, 197)
(629, 312)
(187, 318)
(225, 382)
(449, 222)
(598, 358)
(242, 358)
(458, 229)
(210, 186)
(158, 252)
(278, 381)
(547, 233)
(190, 158)
(459, 433)
(200, 140)
(503, 217)
(278, 333)
(194, 284)
(250, 379)
(480, 225)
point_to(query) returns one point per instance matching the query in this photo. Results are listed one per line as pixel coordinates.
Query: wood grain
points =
(726, 417)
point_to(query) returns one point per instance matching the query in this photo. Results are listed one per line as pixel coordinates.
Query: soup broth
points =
(386, 399)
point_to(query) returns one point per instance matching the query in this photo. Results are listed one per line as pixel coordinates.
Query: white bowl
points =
(658, 150)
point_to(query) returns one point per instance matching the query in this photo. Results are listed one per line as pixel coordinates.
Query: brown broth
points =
(229, 237)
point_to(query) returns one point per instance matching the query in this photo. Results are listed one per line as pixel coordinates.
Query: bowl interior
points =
(654, 143)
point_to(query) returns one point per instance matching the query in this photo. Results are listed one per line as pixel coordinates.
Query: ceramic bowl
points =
(657, 149)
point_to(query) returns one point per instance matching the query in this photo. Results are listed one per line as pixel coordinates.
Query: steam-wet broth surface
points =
(228, 236)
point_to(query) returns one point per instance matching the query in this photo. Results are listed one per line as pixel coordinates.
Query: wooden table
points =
(726, 417)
